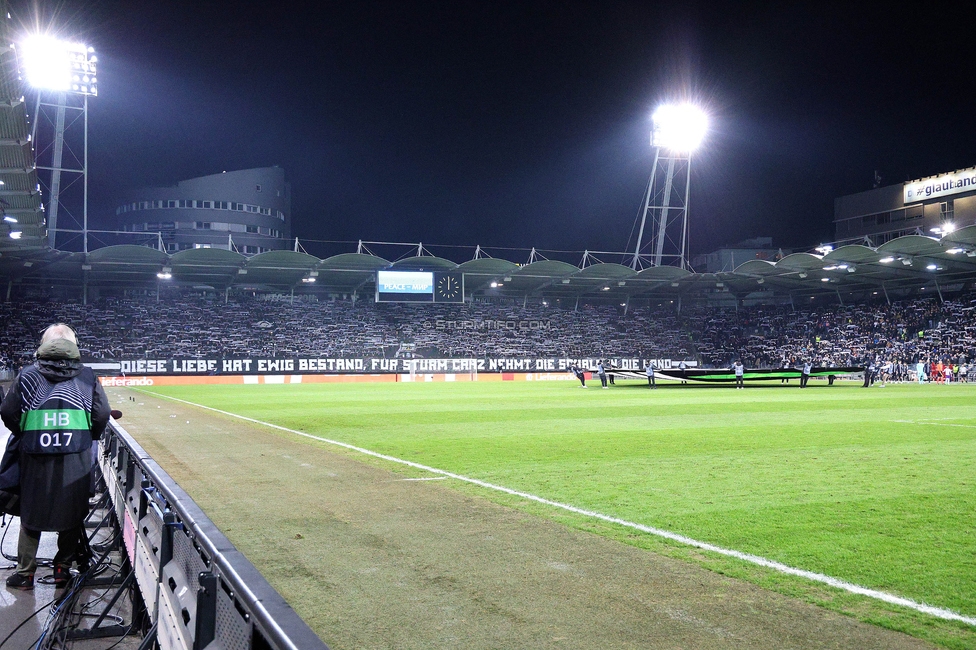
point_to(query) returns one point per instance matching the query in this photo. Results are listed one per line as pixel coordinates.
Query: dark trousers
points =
(650, 381)
(804, 378)
(69, 549)
(738, 382)
(868, 378)
(603, 380)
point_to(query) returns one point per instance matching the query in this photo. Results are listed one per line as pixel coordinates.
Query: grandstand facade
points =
(937, 204)
(247, 210)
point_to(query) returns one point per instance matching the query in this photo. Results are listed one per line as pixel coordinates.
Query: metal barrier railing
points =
(200, 592)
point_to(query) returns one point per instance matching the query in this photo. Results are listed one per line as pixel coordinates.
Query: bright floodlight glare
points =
(51, 64)
(679, 127)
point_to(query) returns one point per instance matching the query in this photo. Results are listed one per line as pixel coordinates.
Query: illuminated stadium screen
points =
(419, 286)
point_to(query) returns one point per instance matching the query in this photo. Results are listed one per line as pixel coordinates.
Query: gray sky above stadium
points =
(524, 123)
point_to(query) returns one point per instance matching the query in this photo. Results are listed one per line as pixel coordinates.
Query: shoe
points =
(24, 582)
(62, 576)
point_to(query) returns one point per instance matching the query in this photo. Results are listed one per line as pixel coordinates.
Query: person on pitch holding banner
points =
(55, 410)
(805, 373)
(579, 375)
(739, 374)
(601, 371)
(650, 375)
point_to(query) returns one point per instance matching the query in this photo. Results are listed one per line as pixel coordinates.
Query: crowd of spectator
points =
(899, 334)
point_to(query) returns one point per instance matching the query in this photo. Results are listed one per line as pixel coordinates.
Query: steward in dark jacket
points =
(55, 410)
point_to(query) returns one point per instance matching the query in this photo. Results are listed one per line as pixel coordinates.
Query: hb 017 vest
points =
(57, 419)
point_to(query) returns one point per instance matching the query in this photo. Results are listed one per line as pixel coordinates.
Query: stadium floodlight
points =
(932, 267)
(887, 260)
(15, 234)
(66, 69)
(52, 64)
(9, 219)
(955, 251)
(677, 131)
(679, 127)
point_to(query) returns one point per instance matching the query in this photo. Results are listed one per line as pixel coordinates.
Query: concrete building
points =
(248, 211)
(927, 205)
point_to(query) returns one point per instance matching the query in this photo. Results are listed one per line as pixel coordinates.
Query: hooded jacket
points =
(54, 477)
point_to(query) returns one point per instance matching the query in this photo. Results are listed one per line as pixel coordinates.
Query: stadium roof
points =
(903, 265)
(20, 196)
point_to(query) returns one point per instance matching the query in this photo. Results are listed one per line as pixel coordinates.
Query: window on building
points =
(172, 247)
(202, 245)
(208, 204)
(203, 225)
(171, 204)
(252, 229)
(257, 188)
(946, 210)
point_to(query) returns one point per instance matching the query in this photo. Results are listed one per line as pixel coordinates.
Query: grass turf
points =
(875, 487)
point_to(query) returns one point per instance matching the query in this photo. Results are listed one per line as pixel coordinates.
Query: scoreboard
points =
(419, 286)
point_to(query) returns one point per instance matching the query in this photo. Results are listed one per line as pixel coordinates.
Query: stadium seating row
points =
(194, 326)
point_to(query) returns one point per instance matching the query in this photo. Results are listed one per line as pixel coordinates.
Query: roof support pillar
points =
(885, 289)
(839, 299)
(792, 306)
(10, 286)
(939, 290)
(576, 307)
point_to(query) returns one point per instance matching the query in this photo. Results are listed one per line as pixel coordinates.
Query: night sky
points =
(518, 124)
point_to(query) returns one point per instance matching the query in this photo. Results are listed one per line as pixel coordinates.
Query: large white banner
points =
(963, 180)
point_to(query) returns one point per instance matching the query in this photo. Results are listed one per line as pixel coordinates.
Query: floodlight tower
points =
(678, 129)
(63, 73)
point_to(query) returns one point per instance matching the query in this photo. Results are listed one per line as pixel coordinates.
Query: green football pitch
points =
(875, 487)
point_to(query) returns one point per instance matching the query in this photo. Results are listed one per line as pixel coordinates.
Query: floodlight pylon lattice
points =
(64, 77)
(666, 207)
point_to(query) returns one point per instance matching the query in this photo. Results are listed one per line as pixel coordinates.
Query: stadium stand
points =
(195, 327)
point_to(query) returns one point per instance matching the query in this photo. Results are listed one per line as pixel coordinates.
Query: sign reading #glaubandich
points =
(963, 180)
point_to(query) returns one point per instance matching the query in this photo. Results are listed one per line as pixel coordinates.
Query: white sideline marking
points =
(935, 423)
(938, 612)
(429, 478)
